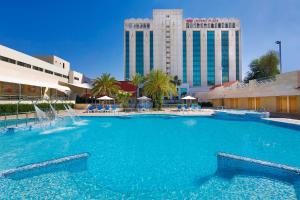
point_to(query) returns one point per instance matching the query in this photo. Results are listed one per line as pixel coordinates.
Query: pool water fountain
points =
(72, 111)
(73, 115)
(55, 115)
(70, 114)
(41, 115)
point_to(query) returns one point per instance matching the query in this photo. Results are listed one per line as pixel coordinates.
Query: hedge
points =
(205, 104)
(12, 108)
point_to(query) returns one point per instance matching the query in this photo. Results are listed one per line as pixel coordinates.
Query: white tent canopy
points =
(188, 98)
(143, 98)
(105, 98)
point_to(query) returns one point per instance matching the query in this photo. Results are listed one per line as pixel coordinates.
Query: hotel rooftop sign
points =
(201, 20)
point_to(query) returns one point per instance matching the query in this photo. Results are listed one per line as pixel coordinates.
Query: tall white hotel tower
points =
(202, 52)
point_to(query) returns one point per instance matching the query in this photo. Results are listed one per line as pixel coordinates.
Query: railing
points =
(266, 80)
(30, 98)
(15, 119)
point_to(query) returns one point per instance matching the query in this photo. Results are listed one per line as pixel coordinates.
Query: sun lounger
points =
(90, 109)
(107, 108)
(99, 108)
(179, 108)
(114, 108)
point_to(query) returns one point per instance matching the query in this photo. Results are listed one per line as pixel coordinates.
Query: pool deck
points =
(284, 120)
(203, 112)
(166, 111)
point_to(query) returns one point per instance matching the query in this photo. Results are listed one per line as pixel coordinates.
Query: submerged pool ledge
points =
(69, 163)
(244, 165)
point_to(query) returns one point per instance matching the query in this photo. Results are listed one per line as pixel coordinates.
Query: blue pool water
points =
(150, 157)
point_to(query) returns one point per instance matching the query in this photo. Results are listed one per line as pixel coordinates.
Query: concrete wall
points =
(280, 94)
(279, 104)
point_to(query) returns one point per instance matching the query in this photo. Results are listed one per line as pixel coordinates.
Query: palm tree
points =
(158, 85)
(176, 81)
(105, 85)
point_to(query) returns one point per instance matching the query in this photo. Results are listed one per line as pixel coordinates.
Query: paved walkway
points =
(202, 112)
(285, 120)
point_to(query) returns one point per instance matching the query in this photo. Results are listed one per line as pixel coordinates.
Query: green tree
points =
(265, 66)
(123, 98)
(158, 85)
(105, 85)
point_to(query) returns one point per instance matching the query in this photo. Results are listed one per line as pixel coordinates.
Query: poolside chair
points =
(100, 108)
(199, 108)
(90, 109)
(193, 107)
(114, 108)
(186, 108)
(140, 107)
(107, 108)
(179, 107)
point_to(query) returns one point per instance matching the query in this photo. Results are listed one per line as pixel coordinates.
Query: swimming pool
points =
(150, 157)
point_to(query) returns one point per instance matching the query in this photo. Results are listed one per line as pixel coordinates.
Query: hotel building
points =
(22, 75)
(202, 52)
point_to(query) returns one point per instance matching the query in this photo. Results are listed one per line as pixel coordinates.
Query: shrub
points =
(205, 104)
(12, 108)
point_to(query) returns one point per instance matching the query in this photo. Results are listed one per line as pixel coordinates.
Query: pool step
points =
(75, 163)
(243, 165)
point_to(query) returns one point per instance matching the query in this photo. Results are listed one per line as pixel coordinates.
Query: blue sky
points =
(89, 34)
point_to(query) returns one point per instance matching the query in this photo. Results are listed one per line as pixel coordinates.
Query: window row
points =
(139, 25)
(12, 61)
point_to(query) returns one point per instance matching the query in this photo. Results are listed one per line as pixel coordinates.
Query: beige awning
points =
(82, 85)
(24, 81)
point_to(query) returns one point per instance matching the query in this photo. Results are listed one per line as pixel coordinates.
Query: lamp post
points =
(279, 45)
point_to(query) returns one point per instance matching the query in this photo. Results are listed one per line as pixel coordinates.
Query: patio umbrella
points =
(105, 98)
(188, 98)
(143, 99)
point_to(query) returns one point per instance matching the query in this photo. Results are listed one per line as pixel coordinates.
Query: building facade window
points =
(210, 57)
(9, 60)
(237, 54)
(58, 74)
(225, 56)
(139, 52)
(37, 68)
(48, 71)
(184, 78)
(196, 58)
(23, 64)
(151, 50)
(127, 55)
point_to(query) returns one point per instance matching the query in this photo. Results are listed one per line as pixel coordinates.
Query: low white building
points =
(25, 76)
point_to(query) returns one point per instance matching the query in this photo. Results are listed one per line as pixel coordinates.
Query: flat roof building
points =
(202, 52)
(38, 76)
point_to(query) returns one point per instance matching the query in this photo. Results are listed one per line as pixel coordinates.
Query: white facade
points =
(174, 50)
(43, 71)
